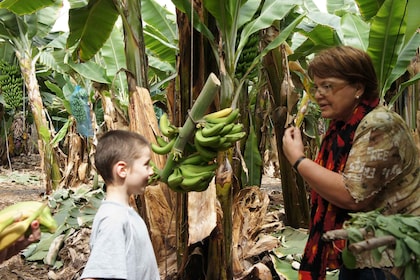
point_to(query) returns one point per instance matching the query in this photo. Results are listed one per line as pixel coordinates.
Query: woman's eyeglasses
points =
(327, 88)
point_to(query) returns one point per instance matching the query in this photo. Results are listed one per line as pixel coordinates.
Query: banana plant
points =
(25, 27)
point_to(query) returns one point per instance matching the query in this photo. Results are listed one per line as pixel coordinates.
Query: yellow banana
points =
(14, 231)
(232, 117)
(23, 210)
(7, 222)
(219, 114)
(163, 150)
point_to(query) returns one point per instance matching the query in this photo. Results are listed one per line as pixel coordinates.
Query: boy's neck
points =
(117, 194)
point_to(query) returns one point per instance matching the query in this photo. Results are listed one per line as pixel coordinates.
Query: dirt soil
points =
(21, 180)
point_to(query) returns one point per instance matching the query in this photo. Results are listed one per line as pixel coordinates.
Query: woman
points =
(367, 160)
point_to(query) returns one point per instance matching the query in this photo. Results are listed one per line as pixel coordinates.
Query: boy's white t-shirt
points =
(120, 245)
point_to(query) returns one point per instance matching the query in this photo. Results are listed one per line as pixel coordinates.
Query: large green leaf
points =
(160, 19)
(253, 160)
(369, 8)
(113, 57)
(185, 7)
(91, 71)
(271, 11)
(386, 37)
(224, 11)
(22, 7)
(8, 24)
(83, 25)
(339, 6)
(355, 31)
(247, 12)
(403, 61)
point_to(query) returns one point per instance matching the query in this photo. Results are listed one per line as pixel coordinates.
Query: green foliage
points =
(403, 227)
(72, 210)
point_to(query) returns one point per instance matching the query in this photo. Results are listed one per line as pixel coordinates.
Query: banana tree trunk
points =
(49, 158)
(155, 204)
(293, 188)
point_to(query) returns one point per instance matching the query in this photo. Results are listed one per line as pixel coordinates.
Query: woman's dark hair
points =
(117, 145)
(347, 63)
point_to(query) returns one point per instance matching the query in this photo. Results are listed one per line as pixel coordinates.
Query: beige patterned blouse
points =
(384, 161)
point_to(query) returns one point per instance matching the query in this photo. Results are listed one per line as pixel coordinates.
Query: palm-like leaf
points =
(83, 24)
(386, 38)
(22, 7)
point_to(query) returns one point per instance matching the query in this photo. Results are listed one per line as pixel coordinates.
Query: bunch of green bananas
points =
(16, 219)
(193, 173)
(11, 85)
(218, 132)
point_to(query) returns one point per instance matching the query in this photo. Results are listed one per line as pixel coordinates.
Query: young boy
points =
(120, 243)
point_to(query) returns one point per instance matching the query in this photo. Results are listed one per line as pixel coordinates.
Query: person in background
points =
(22, 242)
(367, 160)
(120, 244)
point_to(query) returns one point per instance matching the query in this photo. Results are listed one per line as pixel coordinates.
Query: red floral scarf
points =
(335, 147)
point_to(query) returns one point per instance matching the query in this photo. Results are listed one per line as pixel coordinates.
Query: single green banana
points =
(189, 184)
(194, 158)
(235, 136)
(175, 179)
(236, 128)
(189, 171)
(232, 117)
(14, 231)
(163, 150)
(25, 209)
(225, 145)
(203, 186)
(219, 114)
(160, 141)
(226, 129)
(207, 153)
(211, 129)
(166, 127)
(211, 141)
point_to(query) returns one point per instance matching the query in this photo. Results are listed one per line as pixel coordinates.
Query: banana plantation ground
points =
(20, 180)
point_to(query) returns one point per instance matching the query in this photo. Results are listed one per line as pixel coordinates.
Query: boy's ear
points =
(121, 169)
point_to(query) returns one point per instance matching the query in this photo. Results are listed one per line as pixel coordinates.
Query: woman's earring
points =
(357, 97)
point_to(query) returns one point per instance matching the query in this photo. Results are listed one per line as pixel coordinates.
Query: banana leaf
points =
(84, 35)
(22, 7)
(386, 38)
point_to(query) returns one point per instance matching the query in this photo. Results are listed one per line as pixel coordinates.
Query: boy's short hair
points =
(117, 145)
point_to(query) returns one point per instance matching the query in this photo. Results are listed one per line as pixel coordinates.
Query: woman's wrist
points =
(297, 162)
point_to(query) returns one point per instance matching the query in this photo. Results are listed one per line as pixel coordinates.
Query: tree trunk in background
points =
(155, 205)
(49, 158)
(293, 188)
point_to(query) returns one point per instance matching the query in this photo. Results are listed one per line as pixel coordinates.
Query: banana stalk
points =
(196, 113)
(224, 195)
